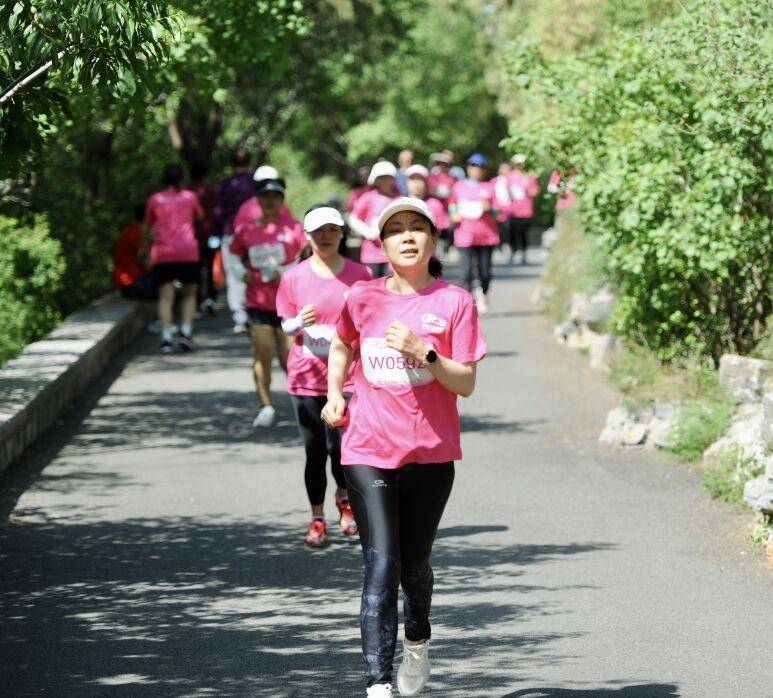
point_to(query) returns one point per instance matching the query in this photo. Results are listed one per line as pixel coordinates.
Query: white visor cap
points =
(419, 170)
(382, 168)
(265, 172)
(404, 203)
(518, 159)
(324, 215)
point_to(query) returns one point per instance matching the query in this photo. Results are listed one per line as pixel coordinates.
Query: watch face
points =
(431, 356)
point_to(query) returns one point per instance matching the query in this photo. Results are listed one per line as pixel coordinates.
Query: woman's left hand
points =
(404, 339)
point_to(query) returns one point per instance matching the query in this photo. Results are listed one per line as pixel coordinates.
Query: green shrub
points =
(697, 426)
(574, 266)
(643, 378)
(31, 269)
(727, 475)
(764, 348)
(670, 130)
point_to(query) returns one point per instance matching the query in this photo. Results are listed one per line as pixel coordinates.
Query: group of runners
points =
(376, 352)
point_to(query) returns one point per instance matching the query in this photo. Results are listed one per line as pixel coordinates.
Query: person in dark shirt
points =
(208, 244)
(231, 194)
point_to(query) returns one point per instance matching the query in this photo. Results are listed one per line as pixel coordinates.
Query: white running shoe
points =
(480, 300)
(265, 416)
(380, 690)
(413, 674)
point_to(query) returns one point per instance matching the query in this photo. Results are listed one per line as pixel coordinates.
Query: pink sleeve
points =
(301, 236)
(345, 326)
(285, 298)
(150, 213)
(467, 341)
(198, 209)
(360, 209)
(237, 244)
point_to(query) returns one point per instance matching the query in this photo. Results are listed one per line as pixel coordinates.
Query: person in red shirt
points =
(131, 265)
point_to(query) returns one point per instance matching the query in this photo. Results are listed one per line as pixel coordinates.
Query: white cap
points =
(323, 215)
(417, 170)
(404, 203)
(382, 168)
(265, 172)
(518, 159)
(441, 157)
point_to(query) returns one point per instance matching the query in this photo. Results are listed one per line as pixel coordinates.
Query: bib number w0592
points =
(316, 340)
(383, 365)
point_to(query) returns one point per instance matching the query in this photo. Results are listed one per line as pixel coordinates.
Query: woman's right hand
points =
(308, 316)
(248, 278)
(334, 411)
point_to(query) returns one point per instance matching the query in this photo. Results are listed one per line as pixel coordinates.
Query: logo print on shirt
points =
(379, 483)
(433, 323)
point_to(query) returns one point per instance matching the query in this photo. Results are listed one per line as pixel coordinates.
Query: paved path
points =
(158, 553)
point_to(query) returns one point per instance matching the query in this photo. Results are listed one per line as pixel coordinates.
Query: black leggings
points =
(320, 441)
(397, 514)
(519, 234)
(477, 256)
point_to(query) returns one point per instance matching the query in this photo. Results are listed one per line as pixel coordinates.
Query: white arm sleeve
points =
(292, 325)
(361, 228)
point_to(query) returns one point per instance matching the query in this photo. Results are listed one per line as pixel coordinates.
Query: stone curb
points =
(43, 382)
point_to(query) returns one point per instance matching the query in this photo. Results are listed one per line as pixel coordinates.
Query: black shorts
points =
(184, 272)
(258, 316)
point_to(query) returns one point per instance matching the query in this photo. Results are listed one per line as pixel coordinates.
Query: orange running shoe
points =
(346, 522)
(316, 535)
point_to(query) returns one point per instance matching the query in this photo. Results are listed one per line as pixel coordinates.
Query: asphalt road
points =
(153, 545)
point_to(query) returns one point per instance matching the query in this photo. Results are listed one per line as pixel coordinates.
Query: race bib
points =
(517, 192)
(383, 365)
(470, 209)
(261, 255)
(316, 340)
(443, 191)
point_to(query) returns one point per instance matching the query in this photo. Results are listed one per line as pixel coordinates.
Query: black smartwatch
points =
(431, 356)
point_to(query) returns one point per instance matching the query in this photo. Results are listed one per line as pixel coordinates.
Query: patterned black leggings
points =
(397, 513)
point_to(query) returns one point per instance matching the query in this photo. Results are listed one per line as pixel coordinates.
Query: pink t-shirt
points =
(299, 287)
(355, 196)
(368, 208)
(438, 212)
(399, 413)
(282, 240)
(478, 226)
(566, 198)
(501, 197)
(172, 215)
(250, 211)
(523, 187)
(440, 185)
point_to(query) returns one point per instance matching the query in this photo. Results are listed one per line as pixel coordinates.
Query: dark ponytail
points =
(435, 267)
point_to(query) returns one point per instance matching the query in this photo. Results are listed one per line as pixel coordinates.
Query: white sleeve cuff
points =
(292, 325)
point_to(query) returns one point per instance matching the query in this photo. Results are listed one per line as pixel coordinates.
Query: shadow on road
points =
(178, 607)
(650, 690)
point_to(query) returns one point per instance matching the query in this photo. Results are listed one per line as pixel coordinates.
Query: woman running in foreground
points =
(419, 341)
